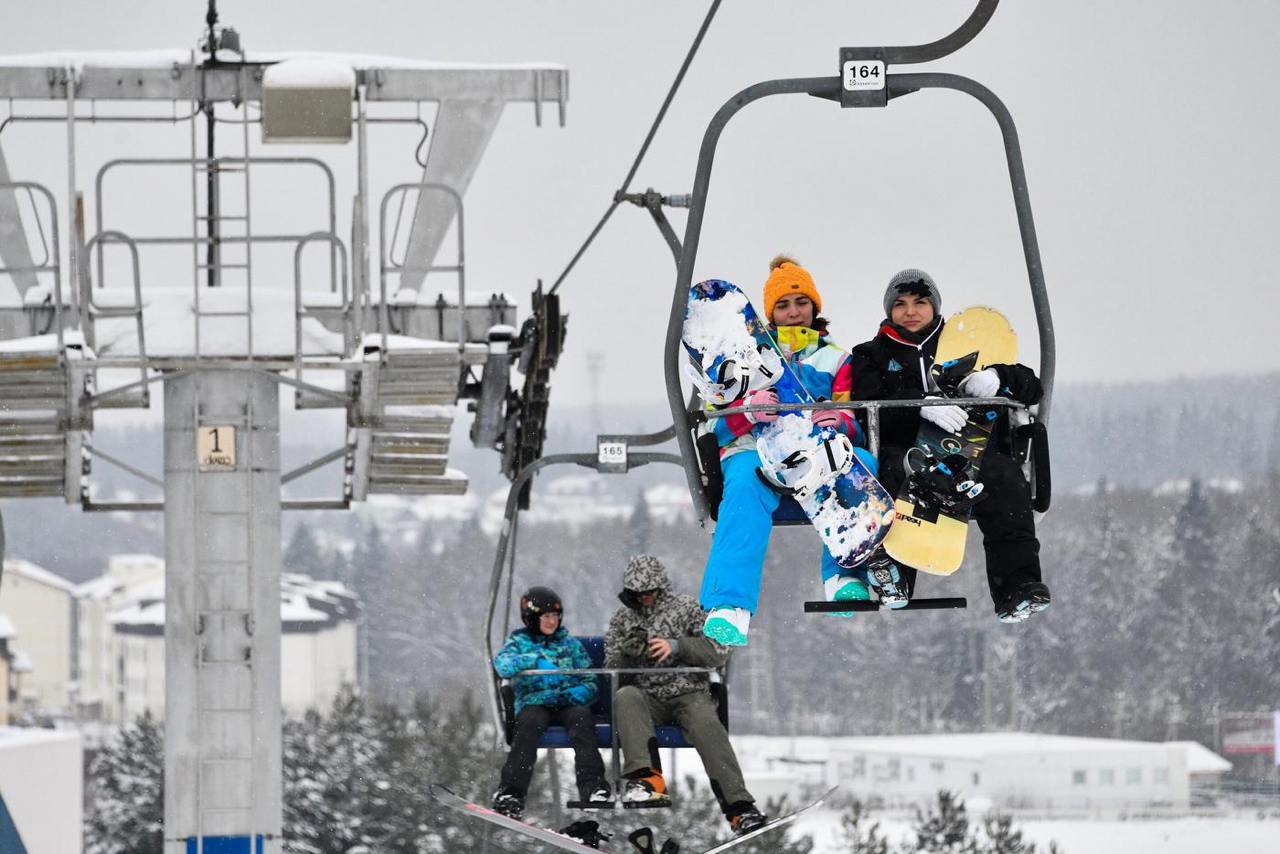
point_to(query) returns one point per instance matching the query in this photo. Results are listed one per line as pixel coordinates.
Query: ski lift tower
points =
(221, 312)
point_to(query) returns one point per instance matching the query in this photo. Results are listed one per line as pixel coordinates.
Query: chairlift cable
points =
(644, 148)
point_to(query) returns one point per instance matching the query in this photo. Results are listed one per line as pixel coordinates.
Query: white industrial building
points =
(1010, 771)
(39, 605)
(41, 790)
(122, 653)
(8, 672)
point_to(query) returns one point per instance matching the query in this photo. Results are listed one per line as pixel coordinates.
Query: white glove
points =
(950, 418)
(985, 383)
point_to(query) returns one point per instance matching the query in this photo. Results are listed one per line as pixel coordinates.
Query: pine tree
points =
(856, 836)
(640, 529)
(1003, 837)
(945, 830)
(303, 553)
(126, 792)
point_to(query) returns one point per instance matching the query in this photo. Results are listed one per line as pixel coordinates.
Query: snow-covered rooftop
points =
(979, 746)
(102, 587)
(12, 736)
(36, 573)
(302, 600)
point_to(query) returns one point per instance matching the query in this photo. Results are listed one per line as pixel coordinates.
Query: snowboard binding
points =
(586, 832)
(949, 374)
(802, 473)
(642, 841)
(729, 379)
(943, 483)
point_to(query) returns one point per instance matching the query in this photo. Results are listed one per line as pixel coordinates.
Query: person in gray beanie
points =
(914, 282)
(895, 366)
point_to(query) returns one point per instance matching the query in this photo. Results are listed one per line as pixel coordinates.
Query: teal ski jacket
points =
(523, 651)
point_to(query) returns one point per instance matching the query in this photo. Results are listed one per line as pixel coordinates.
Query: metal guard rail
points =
(51, 264)
(386, 264)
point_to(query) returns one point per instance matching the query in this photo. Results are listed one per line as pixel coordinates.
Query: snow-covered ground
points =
(1240, 835)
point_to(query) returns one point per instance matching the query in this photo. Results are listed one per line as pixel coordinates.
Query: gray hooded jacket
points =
(674, 617)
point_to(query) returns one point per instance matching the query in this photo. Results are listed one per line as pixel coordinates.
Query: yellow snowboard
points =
(924, 537)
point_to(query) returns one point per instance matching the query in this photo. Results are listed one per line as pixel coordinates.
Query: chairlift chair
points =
(865, 81)
(613, 455)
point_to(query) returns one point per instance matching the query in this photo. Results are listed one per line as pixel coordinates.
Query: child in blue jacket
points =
(544, 644)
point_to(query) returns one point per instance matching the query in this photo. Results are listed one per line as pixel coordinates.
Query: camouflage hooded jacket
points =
(673, 616)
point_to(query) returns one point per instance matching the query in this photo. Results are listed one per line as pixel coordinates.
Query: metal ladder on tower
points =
(215, 238)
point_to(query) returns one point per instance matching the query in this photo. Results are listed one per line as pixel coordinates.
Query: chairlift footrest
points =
(647, 805)
(591, 805)
(867, 605)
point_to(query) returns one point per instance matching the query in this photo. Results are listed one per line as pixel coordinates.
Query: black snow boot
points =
(508, 802)
(1022, 601)
(595, 792)
(744, 817)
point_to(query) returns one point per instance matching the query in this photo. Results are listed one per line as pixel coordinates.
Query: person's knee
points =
(1000, 472)
(701, 717)
(630, 698)
(741, 483)
(576, 714)
(532, 716)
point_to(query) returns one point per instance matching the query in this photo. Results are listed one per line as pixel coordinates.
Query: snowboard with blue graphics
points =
(731, 354)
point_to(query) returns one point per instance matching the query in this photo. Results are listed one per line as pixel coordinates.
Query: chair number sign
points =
(863, 74)
(611, 456)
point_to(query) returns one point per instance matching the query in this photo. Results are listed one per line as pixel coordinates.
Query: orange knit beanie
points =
(786, 276)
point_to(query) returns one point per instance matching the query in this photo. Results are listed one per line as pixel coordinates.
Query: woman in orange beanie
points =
(735, 566)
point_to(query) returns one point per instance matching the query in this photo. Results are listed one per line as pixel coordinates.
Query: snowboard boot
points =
(595, 792)
(845, 588)
(646, 788)
(728, 626)
(1022, 601)
(586, 832)
(888, 581)
(743, 818)
(508, 802)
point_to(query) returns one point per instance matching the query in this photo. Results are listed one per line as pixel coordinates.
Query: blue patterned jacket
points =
(522, 651)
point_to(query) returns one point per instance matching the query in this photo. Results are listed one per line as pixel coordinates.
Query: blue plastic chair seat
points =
(602, 708)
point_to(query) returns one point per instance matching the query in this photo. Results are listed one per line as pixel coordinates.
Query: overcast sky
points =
(1148, 130)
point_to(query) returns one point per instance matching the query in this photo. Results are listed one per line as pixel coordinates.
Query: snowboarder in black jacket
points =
(895, 366)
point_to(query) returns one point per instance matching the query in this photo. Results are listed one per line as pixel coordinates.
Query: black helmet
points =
(537, 601)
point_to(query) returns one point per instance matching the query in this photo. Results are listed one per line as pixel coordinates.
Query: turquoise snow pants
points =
(735, 565)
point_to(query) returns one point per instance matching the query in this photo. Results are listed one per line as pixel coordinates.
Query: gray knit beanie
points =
(916, 282)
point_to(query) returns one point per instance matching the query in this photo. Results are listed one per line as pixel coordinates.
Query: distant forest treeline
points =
(1166, 613)
(1166, 596)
